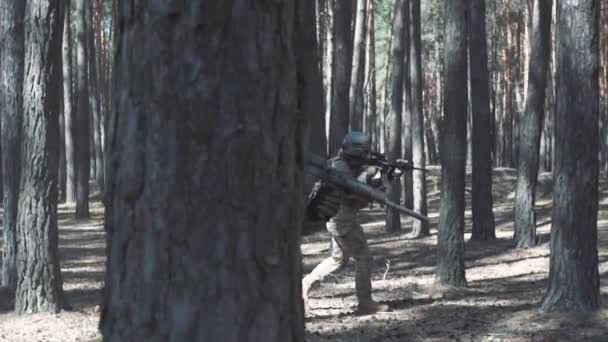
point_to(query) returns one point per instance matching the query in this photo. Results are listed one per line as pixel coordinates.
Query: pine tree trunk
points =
(370, 116)
(450, 241)
(68, 100)
(39, 285)
(11, 72)
(341, 70)
(83, 157)
(382, 124)
(61, 176)
(328, 62)
(310, 83)
(531, 128)
(419, 228)
(196, 253)
(481, 178)
(573, 274)
(394, 106)
(94, 98)
(358, 68)
(406, 115)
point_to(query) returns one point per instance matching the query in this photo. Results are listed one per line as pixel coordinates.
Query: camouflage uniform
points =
(348, 239)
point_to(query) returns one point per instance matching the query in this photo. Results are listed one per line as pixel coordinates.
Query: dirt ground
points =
(500, 304)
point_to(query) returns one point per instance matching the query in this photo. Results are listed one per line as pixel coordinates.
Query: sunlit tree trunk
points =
(358, 68)
(419, 228)
(11, 83)
(39, 283)
(83, 153)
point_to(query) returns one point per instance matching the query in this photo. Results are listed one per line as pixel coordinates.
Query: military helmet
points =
(356, 145)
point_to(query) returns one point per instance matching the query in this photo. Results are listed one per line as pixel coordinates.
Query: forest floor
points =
(500, 304)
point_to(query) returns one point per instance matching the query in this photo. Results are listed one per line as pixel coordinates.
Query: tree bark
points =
(394, 106)
(327, 22)
(573, 273)
(419, 228)
(61, 176)
(39, 285)
(11, 74)
(531, 128)
(481, 178)
(450, 241)
(196, 251)
(341, 70)
(68, 100)
(83, 153)
(358, 68)
(94, 96)
(370, 117)
(406, 115)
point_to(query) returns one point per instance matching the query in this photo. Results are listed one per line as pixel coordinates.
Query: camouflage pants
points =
(352, 244)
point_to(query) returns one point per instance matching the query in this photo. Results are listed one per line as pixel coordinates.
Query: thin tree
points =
(39, 285)
(94, 94)
(481, 178)
(573, 273)
(370, 117)
(394, 106)
(406, 117)
(194, 245)
(450, 241)
(68, 109)
(83, 153)
(419, 228)
(341, 70)
(357, 72)
(532, 124)
(11, 74)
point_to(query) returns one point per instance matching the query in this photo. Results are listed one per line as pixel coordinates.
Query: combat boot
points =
(307, 285)
(370, 306)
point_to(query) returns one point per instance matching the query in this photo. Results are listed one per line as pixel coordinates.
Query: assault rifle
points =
(391, 169)
(316, 166)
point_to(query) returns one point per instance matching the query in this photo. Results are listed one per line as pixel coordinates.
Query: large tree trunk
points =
(310, 90)
(531, 128)
(310, 83)
(450, 241)
(39, 277)
(83, 160)
(358, 68)
(69, 114)
(573, 274)
(481, 178)
(394, 107)
(341, 69)
(419, 228)
(11, 74)
(196, 251)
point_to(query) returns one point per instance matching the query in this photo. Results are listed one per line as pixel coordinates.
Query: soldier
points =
(348, 238)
